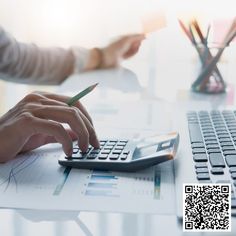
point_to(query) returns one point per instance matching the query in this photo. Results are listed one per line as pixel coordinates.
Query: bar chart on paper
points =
(147, 191)
(110, 184)
(36, 181)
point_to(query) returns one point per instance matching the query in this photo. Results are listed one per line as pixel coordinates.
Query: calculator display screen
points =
(153, 145)
(142, 152)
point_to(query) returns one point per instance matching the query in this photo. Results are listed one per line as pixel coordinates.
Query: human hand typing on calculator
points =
(36, 120)
(123, 154)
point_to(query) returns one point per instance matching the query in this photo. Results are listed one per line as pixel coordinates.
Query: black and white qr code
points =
(207, 207)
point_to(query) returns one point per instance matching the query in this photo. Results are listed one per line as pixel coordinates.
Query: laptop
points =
(203, 134)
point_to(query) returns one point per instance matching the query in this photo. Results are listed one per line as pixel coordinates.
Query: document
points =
(35, 180)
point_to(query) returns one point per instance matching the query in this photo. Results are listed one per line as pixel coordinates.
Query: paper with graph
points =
(36, 181)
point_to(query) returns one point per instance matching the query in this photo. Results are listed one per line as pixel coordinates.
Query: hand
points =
(111, 56)
(36, 121)
(121, 49)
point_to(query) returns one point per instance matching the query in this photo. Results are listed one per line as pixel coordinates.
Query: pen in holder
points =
(210, 79)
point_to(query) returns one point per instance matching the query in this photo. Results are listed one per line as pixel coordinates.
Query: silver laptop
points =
(187, 124)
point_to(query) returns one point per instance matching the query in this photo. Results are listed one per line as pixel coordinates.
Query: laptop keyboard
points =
(213, 141)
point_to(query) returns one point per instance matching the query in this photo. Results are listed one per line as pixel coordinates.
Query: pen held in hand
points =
(74, 99)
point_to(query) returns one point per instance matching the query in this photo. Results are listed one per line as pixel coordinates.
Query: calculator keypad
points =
(109, 150)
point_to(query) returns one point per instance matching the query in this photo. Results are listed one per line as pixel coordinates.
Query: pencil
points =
(202, 56)
(185, 30)
(199, 32)
(207, 34)
(208, 56)
(208, 69)
(74, 99)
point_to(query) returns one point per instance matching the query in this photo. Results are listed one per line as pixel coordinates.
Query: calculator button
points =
(116, 152)
(112, 142)
(126, 152)
(84, 153)
(123, 141)
(105, 151)
(102, 156)
(108, 148)
(95, 151)
(114, 156)
(120, 144)
(75, 150)
(78, 156)
(103, 141)
(119, 148)
(92, 156)
(123, 157)
(110, 145)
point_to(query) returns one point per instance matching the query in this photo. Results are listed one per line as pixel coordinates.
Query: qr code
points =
(207, 207)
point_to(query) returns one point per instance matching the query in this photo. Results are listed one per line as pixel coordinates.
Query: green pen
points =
(74, 99)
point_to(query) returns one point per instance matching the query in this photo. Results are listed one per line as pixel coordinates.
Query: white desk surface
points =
(123, 85)
(115, 86)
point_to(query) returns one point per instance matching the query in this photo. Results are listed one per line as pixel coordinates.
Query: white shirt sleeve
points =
(28, 63)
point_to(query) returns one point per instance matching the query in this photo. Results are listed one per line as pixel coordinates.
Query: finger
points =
(127, 44)
(130, 39)
(133, 50)
(39, 140)
(51, 139)
(70, 116)
(51, 102)
(65, 99)
(139, 37)
(55, 129)
(93, 140)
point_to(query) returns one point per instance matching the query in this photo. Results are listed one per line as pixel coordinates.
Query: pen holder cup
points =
(209, 80)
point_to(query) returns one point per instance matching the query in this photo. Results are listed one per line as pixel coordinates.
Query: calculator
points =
(124, 154)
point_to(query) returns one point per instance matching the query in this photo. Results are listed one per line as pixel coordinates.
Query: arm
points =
(29, 63)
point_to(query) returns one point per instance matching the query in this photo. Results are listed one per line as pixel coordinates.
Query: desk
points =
(134, 84)
(117, 86)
